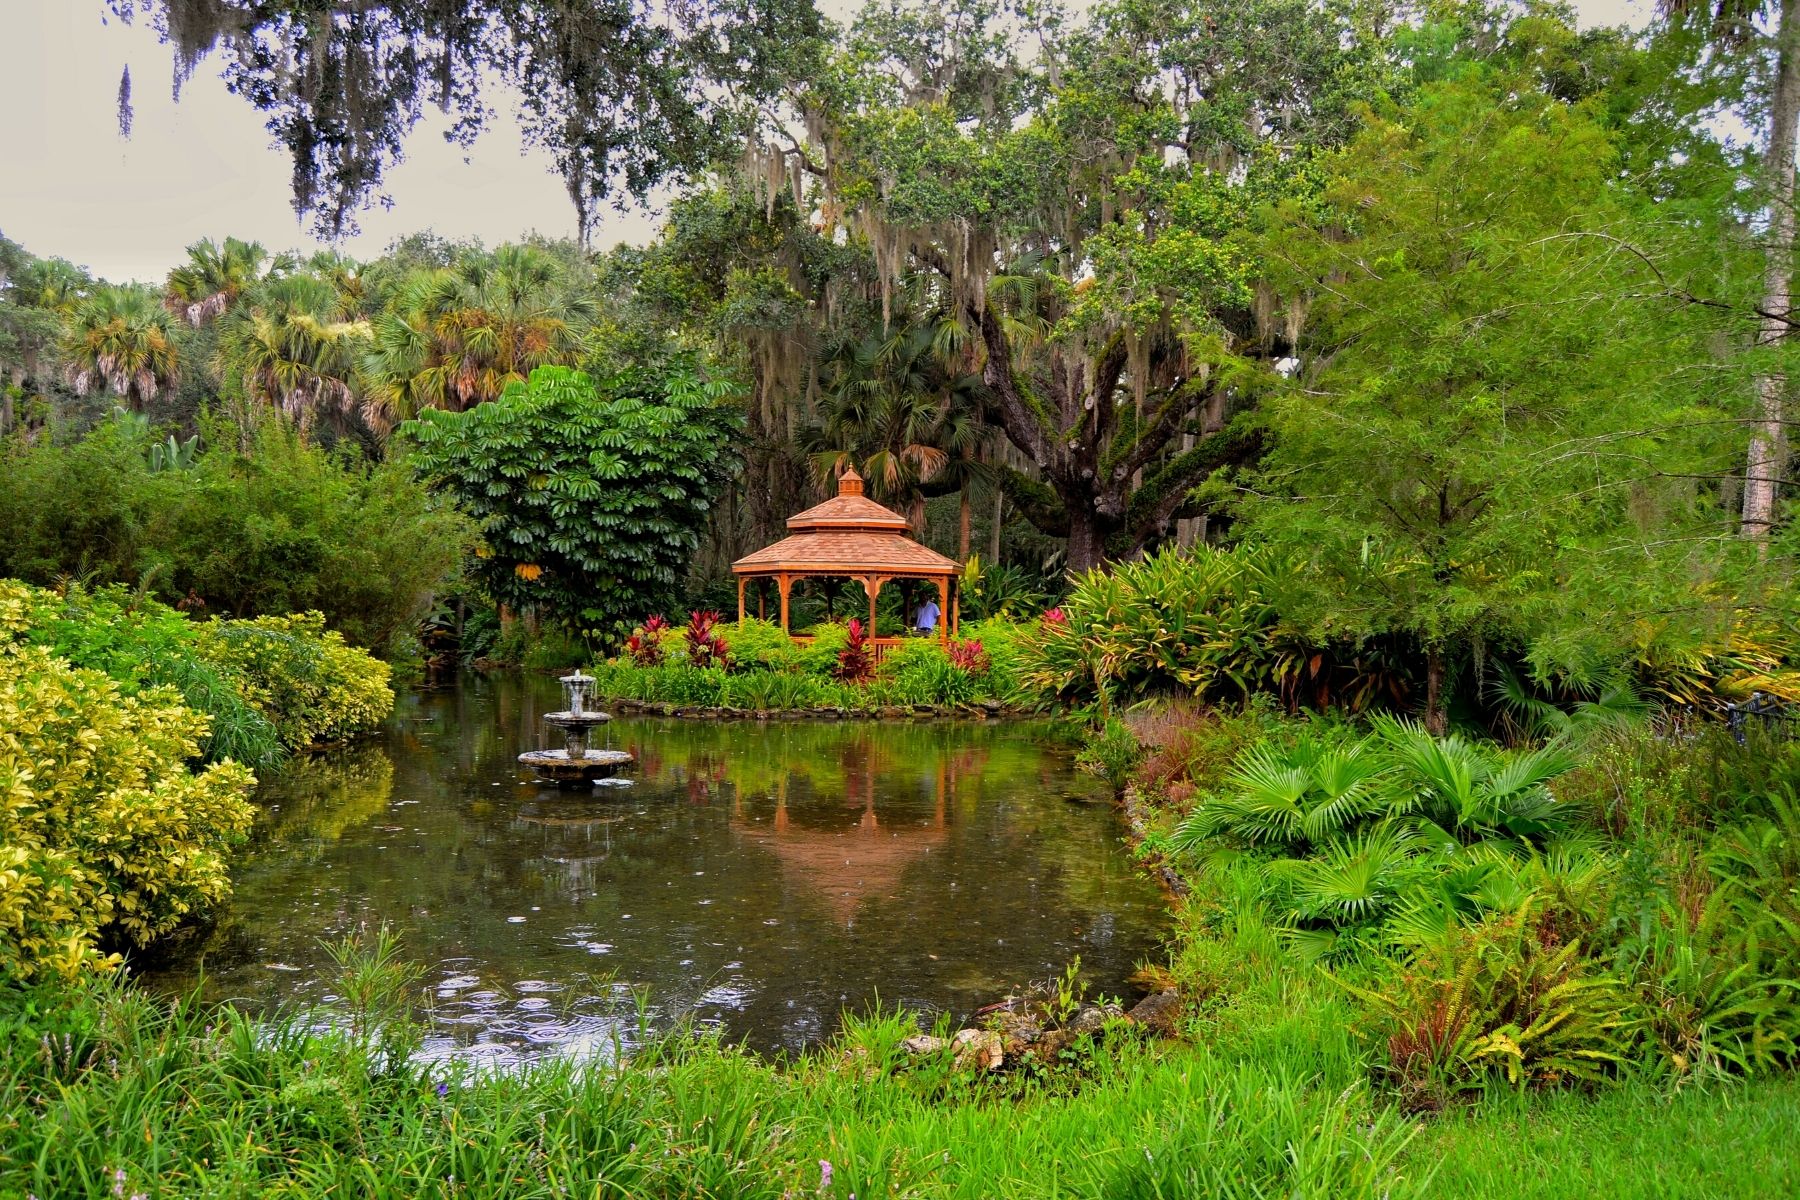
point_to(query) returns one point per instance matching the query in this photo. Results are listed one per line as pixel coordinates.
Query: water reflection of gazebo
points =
(850, 537)
(847, 866)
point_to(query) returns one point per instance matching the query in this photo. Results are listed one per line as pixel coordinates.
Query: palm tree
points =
(898, 402)
(455, 337)
(50, 283)
(292, 346)
(214, 276)
(121, 339)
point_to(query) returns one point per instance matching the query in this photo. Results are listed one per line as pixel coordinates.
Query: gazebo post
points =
(872, 584)
(956, 612)
(943, 625)
(741, 582)
(784, 584)
(762, 601)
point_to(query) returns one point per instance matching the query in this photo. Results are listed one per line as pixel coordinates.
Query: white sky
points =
(70, 186)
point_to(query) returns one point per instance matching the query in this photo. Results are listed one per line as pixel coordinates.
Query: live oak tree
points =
(1082, 213)
(590, 496)
(624, 96)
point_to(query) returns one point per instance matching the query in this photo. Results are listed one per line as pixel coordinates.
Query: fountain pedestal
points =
(575, 765)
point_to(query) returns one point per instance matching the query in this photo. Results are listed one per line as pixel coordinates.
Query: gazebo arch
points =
(850, 537)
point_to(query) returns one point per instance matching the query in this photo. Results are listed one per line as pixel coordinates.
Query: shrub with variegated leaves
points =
(108, 839)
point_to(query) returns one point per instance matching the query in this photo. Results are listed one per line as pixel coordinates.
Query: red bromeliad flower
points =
(968, 656)
(1055, 616)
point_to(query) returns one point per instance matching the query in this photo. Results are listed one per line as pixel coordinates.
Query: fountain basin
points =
(568, 770)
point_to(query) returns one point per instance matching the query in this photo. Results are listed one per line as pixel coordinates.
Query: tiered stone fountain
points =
(575, 765)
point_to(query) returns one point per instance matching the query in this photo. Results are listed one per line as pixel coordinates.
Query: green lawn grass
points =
(1631, 1142)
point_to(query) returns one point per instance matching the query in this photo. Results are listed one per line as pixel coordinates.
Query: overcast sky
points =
(126, 208)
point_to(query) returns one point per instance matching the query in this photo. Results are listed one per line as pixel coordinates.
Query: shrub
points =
(705, 648)
(1505, 998)
(1391, 837)
(644, 646)
(141, 643)
(854, 662)
(758, 645)
(1198, 621)
(304, 677)
(820, 656)
(106, 837)
(261, 523)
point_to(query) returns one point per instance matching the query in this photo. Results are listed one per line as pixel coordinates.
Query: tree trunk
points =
(962, 523)
(1437, 723)
(1087, 544)
(1762, 470)
(999, 519)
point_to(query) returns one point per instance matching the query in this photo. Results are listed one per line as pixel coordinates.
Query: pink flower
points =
(824, 1174)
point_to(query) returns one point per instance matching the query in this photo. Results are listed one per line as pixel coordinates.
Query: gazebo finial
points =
(850, 483)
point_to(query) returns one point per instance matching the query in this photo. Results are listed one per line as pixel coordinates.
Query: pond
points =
(762, 877)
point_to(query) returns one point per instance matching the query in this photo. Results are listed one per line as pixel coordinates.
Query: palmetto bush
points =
(1392, 836)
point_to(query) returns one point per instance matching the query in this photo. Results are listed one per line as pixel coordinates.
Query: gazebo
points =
(850, 537)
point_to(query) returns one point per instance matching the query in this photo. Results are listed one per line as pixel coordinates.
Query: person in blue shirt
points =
(927, 617)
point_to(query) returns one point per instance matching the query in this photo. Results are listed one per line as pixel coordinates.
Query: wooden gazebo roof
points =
(853, 537)
(850, 535)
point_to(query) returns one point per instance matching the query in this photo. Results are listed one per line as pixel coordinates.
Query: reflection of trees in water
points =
(320, 796)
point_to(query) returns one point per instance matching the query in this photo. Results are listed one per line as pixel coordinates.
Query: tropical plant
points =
(107, 838)
(645, 643)
(855, 662)
(213, 277)
(704, 646)
(1200, 621)
(1500, 999)
(591, 498)
(459, 336)
(121, 339)
(292, 345)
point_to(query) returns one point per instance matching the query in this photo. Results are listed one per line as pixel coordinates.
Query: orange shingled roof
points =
(848, 534)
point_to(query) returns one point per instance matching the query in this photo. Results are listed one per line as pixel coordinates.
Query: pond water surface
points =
(764, 877)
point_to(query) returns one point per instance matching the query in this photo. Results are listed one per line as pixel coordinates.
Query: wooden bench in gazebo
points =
(851, 537)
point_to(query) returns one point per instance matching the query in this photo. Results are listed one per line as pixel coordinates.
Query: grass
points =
(186, 1102)
(1632, 1142)
(110, 1093)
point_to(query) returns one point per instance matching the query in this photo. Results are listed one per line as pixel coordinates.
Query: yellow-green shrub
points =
(304, 677)
(106, 835)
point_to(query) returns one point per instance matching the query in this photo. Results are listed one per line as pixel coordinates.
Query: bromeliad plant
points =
(855, 662)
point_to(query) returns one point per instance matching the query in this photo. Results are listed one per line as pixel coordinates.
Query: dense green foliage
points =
(108, 839)
(313, 686)
(1565, 914)
(590, 497)
(266, 686)
(267, 525)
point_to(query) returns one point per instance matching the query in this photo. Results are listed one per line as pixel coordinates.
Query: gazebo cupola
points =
(848, 536)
